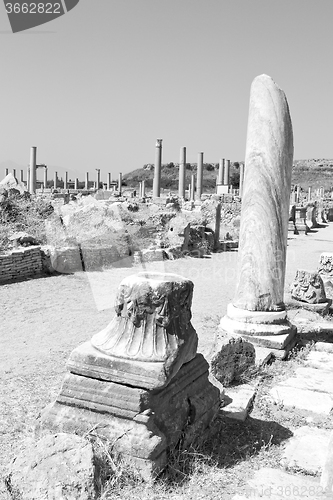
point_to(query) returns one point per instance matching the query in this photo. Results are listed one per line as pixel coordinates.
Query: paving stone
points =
(306, 450)
(326, 480)
(324, 347)
(276, 484)
(311, 379)
(322, 360)
(317, 402)
(238, 401)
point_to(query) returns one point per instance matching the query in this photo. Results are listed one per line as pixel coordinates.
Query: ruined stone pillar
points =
(21, 176)
(98, 177)
(109, 181)
(45, 177)
(139, 382)
(55, 179)
(258, 310)
(28, 179)
(120, 181)
(86, 183)
(241, 179)
(309, 193)
(66, 181)
(32, 173)
(182, 170)
(217, 227)
(157, 171)
(76, 184)
(298, 194)
(221, 171)
(192, 187)
(226, 179)
(199, 175)
(14, 173)
(6, 171)
(143, 188)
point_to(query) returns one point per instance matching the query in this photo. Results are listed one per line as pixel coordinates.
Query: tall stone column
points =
(182, 170)
(66, 181)
(86, 183)
(6, 172)
(309, 193)
(21, 175)
(258, 310)
(76, 183)
(55, 180)
(32, 176)
(157, 171)
(109, 181)
(199, 175)
(143, 188)
(298, 191)
(221, 171)
(45, 177)
(226, 179)
(28, 179)
(98, 177)
(241, 179)
(192, 188)
(120, 181)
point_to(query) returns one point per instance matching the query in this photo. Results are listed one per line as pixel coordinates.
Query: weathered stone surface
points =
(325, 267)
(56, 467)
(142, 424)
(237, 401)
(322, 360)
(324, 347)
(231, 360)
(311, 379)
(150, 337)
(317, 402)
(308, 287)
(306, 450)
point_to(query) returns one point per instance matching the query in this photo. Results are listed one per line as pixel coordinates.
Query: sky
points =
(96, 87)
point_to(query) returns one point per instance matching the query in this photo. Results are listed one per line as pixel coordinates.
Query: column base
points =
(267, 329)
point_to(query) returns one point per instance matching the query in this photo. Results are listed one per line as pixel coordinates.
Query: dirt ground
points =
(43, 319)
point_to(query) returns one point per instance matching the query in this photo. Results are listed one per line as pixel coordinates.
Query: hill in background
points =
(313, 172)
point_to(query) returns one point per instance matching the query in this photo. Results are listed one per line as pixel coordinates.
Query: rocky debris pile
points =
(10, 182)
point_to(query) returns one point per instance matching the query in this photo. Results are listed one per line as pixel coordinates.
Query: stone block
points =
(231, 360)
(302, 398)
(56, 467)
(306, 450)
(142, 424)
(237, 401)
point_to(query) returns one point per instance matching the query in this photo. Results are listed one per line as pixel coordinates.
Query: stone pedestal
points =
(257, 312)
(300, 219)
(139, 382)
